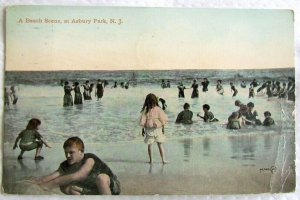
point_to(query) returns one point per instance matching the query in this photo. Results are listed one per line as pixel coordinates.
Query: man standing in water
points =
(181, 89)
(14, 94)
(99, 90)
(195, 93)
(68, 99)
(205, 84)
(86, 92)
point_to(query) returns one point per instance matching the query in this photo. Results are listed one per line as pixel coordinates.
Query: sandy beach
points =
(197, 166)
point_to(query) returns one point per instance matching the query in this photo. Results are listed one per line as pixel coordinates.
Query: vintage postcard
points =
(144, 101)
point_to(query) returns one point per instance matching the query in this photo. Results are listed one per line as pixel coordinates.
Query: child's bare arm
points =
(47, 178)
(79, 175)
(47, 145)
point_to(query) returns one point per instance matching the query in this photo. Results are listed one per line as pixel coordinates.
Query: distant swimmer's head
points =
(231, 83)
(206, 107)
(195, 80)
(87, 81)
(234, 115)
(186, 106)
(66, 82)
(219, 81)
(243, 108)
(250, 105)
(237, 103)
(99, 80)
(76, 83)
(267, 114)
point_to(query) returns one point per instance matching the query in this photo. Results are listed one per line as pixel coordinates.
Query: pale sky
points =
(148, 38)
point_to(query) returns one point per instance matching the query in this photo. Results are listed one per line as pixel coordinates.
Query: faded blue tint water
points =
(115, 117)
(206, 152)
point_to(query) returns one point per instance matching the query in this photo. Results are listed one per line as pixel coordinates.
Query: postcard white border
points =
(239, 4)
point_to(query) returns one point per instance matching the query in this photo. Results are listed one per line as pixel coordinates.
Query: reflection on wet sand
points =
(187, 145)
(206, 146)
(158, 169)
(243, 148)
(268, 141)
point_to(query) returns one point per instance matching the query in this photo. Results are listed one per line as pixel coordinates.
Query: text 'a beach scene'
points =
(145, 101)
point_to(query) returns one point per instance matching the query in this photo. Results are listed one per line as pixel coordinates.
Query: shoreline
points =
(201, 166)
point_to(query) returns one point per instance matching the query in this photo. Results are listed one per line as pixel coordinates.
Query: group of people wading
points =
(87, 93)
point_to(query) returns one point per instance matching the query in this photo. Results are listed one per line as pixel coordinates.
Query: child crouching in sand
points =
(153, 120)
(31, 139)
(82, 173)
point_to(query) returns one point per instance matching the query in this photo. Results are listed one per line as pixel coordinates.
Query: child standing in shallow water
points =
(153, 120)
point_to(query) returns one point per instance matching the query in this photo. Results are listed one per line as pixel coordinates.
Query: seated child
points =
(31, 139)
(208, 116)
(185, 116)
(268, 120)
(233, 121)
(81, 173)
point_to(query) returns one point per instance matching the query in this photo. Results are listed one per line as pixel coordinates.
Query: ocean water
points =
(115, 118)
(150, 77)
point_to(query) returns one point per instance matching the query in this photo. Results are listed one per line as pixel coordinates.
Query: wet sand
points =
(233, 164)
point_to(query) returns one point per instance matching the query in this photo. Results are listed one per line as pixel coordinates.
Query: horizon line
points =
(189, 69)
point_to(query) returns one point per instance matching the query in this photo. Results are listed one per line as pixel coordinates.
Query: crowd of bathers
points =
(246, 115)
(273, 88)
(69, 176)
(88, 89)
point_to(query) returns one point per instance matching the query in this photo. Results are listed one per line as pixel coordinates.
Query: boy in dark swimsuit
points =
(82, 173)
